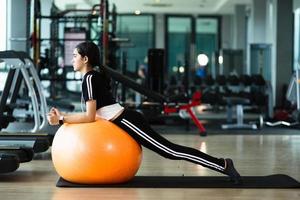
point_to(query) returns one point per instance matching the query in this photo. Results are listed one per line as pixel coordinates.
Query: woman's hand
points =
(55, 111)
(53, 116)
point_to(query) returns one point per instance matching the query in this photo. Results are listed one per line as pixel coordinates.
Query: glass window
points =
(139, 29)
(207, 38)
(3, 14)
(179, 30)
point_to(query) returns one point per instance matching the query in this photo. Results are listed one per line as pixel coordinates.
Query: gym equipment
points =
(8, 162)
(37, 142)
(20, 147)
(170, 104)
(23, 154)
(16, 149)
(235, 99)
(23, 69)
(187, 107)
(95, 153)
(253, 91)
(293, 96)
(68, 28)
(284, 123)
(156, 65)
(271, 181)
(238, 102)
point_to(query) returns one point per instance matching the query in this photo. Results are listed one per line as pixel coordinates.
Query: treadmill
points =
(19, 147)
(9, 162)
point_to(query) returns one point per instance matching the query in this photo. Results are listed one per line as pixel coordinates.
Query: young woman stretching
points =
(100, 103)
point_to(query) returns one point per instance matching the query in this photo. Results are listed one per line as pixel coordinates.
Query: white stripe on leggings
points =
(167, 150)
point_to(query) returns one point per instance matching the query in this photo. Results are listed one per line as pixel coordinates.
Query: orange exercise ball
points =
(95, 153)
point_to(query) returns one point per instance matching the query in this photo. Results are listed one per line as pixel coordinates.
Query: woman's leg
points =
(136, 125)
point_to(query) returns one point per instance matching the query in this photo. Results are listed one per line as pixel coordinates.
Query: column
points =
(16, 25)
(284, 46)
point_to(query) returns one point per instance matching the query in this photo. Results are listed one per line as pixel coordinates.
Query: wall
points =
(227, 32)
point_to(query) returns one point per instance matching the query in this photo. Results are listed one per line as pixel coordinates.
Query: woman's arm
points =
(84, 117)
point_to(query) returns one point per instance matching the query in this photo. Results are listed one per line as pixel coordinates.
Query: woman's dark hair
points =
(91, 50)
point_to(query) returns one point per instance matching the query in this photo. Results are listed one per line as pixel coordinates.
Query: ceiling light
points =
(220, 59)
(158, 3)
(137, 12)
(202, 59)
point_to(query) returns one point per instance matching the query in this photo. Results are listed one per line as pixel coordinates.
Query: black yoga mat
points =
(271, 181)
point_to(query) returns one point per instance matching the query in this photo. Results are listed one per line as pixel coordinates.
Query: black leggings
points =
(135, 124)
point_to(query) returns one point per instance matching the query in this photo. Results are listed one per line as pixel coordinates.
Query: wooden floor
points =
(253, 155)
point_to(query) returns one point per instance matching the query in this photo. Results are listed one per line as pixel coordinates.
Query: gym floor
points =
(256, 153)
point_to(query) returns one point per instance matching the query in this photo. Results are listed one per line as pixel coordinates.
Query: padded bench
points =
(239, 102)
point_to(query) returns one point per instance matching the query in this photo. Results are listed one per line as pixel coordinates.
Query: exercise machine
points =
(293, 96)
(170, 104)
(21, 68)
(20, 147)
(259, 96)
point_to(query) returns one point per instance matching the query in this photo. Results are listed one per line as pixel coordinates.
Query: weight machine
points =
(292, 95)
(171, 104)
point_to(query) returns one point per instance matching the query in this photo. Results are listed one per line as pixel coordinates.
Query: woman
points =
(100, 103)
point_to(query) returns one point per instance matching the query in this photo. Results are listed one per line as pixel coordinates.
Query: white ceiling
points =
(214, 7)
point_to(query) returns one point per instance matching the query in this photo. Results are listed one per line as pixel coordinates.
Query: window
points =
(179, 30)
(207, 38)
(3, 14)
(139, 29)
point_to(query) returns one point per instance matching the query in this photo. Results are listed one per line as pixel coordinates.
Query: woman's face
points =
(77, 61)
